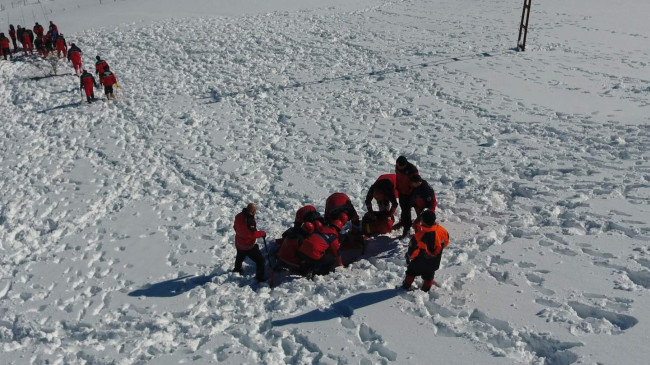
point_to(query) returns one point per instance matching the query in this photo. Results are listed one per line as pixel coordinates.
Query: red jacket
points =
(74, 57)
(326, 239)
(99, 66)
(12, 33)
(288, 252)
(403, 178)
(424, 197)
(61, 45)
(87, 81)
(246, 232)
(4, 43)
(38, 29)
(107, 79)
(384, 189)
(338, 203)
(26, 39)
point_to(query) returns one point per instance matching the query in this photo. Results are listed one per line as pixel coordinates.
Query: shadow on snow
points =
(343, 308)
(174, 287)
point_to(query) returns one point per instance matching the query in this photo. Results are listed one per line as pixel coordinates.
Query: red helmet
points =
(343, 218)
(307, 227)
(300, 214)
(338, 224)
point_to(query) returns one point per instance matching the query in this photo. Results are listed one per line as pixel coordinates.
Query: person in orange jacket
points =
(425, 251)
(404, 170)
(246, 235)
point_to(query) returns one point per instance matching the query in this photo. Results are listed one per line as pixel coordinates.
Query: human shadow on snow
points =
(343, 308)
(63, 106)
(173, 287)
(217, 96)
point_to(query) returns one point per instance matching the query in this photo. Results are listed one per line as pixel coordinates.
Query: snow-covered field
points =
(116, 235)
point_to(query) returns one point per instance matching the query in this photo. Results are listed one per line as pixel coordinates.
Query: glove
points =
(117, 86)
(262, 233)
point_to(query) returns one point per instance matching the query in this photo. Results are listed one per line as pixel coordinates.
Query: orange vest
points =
(441, 240)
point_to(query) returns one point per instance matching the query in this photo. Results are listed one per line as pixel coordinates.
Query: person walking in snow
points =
(12, 34)
(108, 79)
(61, 46)
(74, 56)
(99, 65)
(404, 170)
(4, 46)
(246, 235)
(88, 85)
(425, 252)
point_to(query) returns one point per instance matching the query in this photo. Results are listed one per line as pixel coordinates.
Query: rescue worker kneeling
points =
(293, 237)
(425, 251)
(319, 250)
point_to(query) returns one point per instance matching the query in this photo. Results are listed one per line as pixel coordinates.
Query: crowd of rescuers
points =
(312, 246)
(53, 43)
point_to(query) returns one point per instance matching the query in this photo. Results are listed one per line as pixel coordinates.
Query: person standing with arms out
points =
(404, 170)
(88, 85)
(12, 34)
(246, 235)
(425, 252)
(74, 56)
(108, 79)
(4, 46)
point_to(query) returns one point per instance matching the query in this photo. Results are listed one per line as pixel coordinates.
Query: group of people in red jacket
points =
(312, 245)
(47, 43)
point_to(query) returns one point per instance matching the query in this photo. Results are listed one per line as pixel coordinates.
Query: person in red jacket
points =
(12, 34)
(38, 30)
(4, 46)
(99, 65)
(425, 251)
(319, 251)
(385, 192)
(74, 56)
(246, 235)
(88, 85)
(403, 172)
(306, 219)
(338, 203)
(61, 46)
(108, 79)
(27, 42)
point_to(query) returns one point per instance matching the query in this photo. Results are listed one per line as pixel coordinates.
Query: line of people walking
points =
(312, 245)
(53, 44)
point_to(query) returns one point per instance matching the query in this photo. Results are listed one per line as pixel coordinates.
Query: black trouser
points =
(108, 90)
(425, 267)
(254, 254)
(15, 45)
(324, 266)
(6, 52)
(405, 215)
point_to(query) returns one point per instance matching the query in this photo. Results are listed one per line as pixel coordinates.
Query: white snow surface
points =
(116, 236)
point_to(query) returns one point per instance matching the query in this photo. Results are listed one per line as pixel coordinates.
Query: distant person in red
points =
(4, 46)
(385, 193)
(74, 56)
(88, 85)
(425, 251)
(422, 197)
(246, 235)
(108, 79)
(99, 65)
(39, 43)
(61, 47)
(403, 172)
(38, 30)
(12, 34)
(26, 40)
(338, 203)
(49, 44)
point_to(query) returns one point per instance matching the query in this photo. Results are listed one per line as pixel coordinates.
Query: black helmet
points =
(106, 68)
(98, 58)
